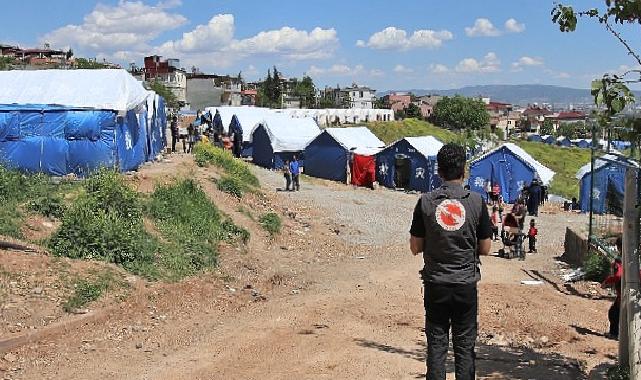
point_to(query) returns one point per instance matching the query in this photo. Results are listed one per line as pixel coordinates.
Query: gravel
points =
(379, 217)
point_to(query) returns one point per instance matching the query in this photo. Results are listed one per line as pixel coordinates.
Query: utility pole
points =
(630, 321)
(592, 148)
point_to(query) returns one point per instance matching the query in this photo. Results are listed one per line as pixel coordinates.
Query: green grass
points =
(206, 154)
(231, 185)
(21, 193)
(192, 228)
(271, 223)
(565, 162)
(88, 290)
(390, 131)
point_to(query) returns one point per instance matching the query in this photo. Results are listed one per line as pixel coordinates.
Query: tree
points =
(6, 62)
(459, 112)
(84, 63)
(567, 130)
(305, 90)
(547, 128)
(162, 90)
(413, 111)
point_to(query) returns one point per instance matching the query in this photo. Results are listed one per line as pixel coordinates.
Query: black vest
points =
(451, 217)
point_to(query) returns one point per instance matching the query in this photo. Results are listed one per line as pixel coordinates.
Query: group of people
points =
(291, 172)
(205, 127)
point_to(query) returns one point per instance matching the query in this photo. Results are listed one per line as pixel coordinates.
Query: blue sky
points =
(384, 44)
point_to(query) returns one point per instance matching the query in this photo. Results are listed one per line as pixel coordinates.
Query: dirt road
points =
(336, 297)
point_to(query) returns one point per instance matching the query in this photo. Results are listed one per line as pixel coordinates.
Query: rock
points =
(36, 291)
(296, 291)
(9, 357)
(139, 345)
(79, 311)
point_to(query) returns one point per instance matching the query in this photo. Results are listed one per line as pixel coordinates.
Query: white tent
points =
(359, 140)
(428, 146)
(289, 134)
(99, 89)
(249, 117)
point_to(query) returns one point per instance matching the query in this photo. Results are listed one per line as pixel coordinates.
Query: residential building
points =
(430, 99)
(360, 96)
(569, 117)
(534, 117)
(397, 101)
(169, 73)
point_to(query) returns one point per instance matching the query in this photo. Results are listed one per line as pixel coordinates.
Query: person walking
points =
(496, 219)
(174, 133)
(191, 137)
(451, 228)
(288, 175)
(294, 168)
(534, 198)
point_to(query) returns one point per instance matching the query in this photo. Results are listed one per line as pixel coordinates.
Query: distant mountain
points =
(521, 94)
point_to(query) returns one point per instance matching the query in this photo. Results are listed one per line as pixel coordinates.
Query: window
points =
(361, 94)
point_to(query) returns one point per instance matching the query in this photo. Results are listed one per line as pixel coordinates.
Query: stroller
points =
(512, 238)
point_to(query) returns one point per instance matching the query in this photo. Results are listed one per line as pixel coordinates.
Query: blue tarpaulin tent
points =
(327, 156)
(534, 137)
(409, 163)
(548, 139)
(509, 166)
(581, 143)
(609, 181)
(247, 118)
(99, 118)
(563, 141)
(279, 137)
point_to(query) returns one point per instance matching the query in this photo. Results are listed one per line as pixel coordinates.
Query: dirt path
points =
(335, 310)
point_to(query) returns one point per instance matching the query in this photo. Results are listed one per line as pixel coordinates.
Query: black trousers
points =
(295, 182)
(288, 181)
(532, 245)
(613, 316)
(174, 140)
(455, 306)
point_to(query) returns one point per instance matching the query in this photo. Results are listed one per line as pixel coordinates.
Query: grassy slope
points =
(564, 161)
(390, 131)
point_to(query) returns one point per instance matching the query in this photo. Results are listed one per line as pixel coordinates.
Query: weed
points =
(206, 154)
(597, 267)
(192, 225)
(50, 206)
(105, 223)
(89, 290)
(231, 185)
(271, 223)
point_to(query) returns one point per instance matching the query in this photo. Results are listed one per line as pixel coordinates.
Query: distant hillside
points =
(521, 94)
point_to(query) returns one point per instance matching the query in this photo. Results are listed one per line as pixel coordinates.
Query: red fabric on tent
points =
(363, 170)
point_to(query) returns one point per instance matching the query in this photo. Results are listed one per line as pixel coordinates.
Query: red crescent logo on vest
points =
(450, 214)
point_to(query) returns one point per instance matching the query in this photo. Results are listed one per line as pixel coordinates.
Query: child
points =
(288, 175)
(501, 207)
(531, 234)
(496, 219)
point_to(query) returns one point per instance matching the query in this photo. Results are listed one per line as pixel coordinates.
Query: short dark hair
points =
(451, 162)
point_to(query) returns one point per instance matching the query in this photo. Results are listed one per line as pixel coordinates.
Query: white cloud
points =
(513, 26)
(400, 69)
(125, 27)
(392, 38)
(563, 75)
(482, 28)
(216, 41)
(527, 61)
(489, 64)
(343, 70)
(438, 68)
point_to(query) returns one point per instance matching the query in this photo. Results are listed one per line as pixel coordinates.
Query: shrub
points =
(50, 206)
(597, 267)
(231, 186)
(105, 223)
(87, 291)
(192, 226)
(271, 223)
(206, 154)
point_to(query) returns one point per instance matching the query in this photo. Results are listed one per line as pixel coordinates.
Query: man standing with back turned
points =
(451, 227)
